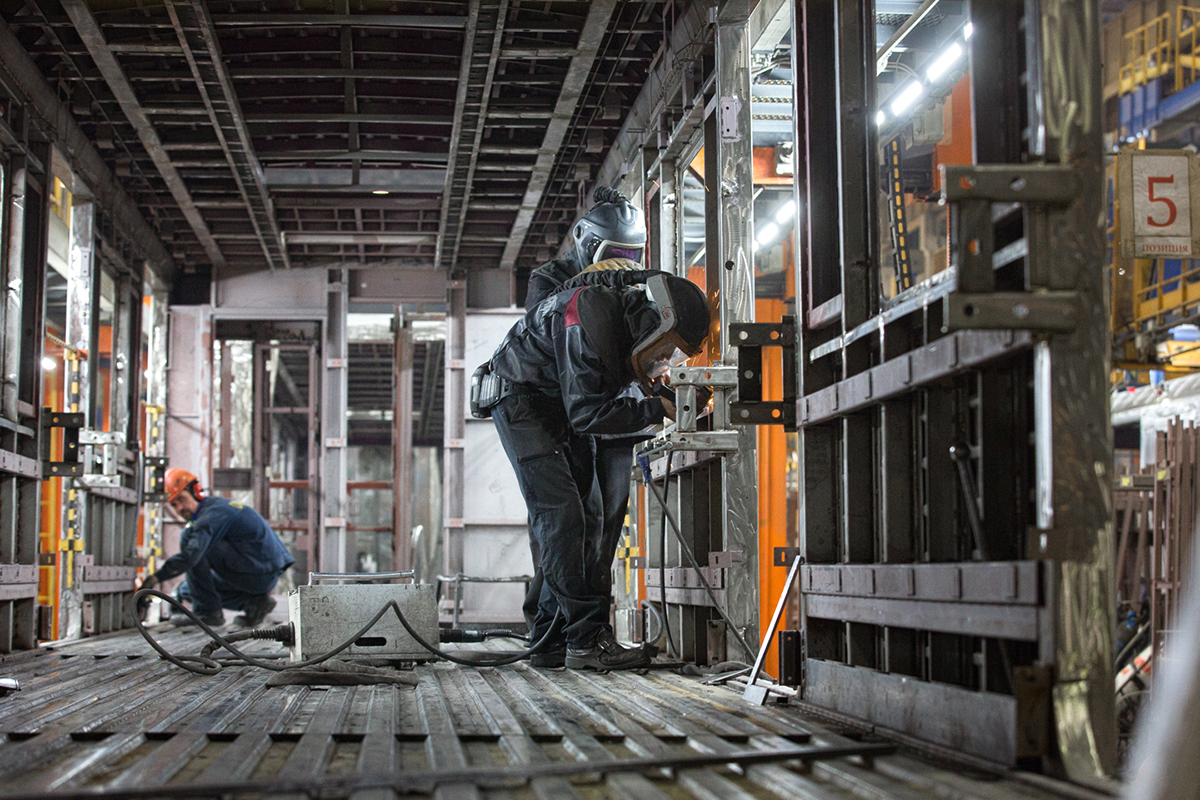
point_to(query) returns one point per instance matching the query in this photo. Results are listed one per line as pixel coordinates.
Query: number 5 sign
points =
(1158, 217)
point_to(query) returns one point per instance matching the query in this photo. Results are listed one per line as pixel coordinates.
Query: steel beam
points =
(454, 428)
(402, 445)
(1065, 51)
(89, 31)
(355, 238)
(730, 271)
(198, 38)
(337, 20)
(573, 85)
(262, 118)
(333, 549)
(481, 48)
(53, 118)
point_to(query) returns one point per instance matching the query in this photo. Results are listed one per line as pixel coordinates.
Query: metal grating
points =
(107, 718)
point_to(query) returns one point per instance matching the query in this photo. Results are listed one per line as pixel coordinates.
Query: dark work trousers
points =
(210, 590)
(556, 472)
(614, 461)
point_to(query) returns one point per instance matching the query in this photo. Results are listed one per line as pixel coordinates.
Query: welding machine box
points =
(324, 616)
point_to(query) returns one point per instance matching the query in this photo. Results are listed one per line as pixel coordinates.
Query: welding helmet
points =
(684, 320)
(613, 228)
(177, 480)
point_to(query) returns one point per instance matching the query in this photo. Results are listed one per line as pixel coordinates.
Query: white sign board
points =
(1157, 214)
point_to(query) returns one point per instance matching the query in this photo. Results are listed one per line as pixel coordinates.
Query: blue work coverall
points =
(230, 554)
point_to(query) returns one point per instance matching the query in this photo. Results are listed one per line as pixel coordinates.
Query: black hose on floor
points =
(206, 665)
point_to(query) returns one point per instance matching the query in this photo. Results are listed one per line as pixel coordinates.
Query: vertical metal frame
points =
(110, 513)
(729, 175)
(402, 445)
(334, 546)
(455, 411)
(155, 421)
(952, 475)
(309, 538)
(23, 263)
(81, 282)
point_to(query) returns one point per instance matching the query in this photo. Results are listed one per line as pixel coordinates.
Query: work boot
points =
(213, 619)
(606, 654)
(255, 612)
(552, 656)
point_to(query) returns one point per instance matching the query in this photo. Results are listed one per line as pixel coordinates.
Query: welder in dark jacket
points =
(565, 365)
(612, 235)
(614, 462)
(230, 554)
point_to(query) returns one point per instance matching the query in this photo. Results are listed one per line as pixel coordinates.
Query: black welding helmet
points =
(684, 321)
(613, 228)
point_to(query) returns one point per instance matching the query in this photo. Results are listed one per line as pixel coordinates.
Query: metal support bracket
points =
(70, 466)
(972, 189)
(751, 338)
(154, 486)
(1051, 184)
(108, 442)
(1056, 312)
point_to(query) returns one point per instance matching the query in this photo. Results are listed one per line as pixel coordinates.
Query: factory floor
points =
(107, 716)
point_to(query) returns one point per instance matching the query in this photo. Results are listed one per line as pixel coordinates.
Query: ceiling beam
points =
(89, 31)
(261, 118)
(352, 238)
(403, 203)
(284, 72)
(590, 37)
(336, 20)
(202, 51)
(346, 155)
(481, 49)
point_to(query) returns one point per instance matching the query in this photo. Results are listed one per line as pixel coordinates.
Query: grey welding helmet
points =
(613, 228)
(684, 321)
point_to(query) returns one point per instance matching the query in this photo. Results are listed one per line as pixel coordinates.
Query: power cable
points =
(210, 666)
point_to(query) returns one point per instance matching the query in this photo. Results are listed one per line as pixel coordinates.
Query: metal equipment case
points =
(324, 616)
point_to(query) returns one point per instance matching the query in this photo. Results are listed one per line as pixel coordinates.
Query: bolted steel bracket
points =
(1028, 311)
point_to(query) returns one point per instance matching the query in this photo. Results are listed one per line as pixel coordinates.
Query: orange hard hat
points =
(178, 480)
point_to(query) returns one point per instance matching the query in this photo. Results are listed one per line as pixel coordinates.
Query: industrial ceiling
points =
(267, 135)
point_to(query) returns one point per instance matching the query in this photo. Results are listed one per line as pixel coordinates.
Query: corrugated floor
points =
(106, 714)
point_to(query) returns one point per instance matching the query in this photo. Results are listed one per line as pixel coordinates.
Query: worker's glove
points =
(143, 603)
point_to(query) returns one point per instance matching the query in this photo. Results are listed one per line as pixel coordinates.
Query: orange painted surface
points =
(955, 147)
(50, 524)
(772, 486)
(764, 167)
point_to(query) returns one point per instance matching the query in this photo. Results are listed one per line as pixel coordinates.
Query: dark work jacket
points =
(252, 548)
(564, 347)
(545, 280)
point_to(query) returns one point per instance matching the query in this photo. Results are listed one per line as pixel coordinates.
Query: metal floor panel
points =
(107, 716)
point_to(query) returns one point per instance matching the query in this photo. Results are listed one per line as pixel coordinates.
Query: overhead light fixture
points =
(908, 95)
(944, 62)
(968, 29)
(380, 191)
(880, 117)
(785, 212)
(49, 364)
